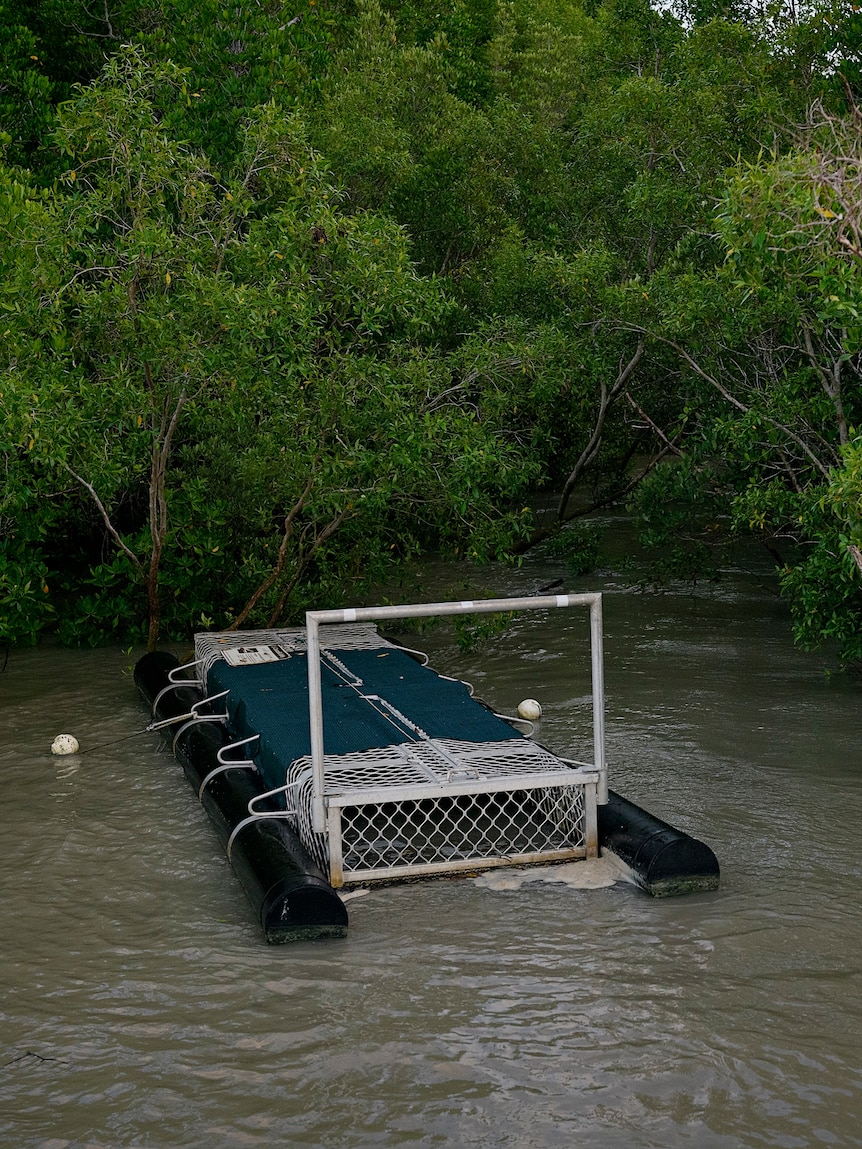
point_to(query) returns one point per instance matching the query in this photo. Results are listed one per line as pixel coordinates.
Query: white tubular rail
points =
(175, 683)
(225, 764)
(315, 618)
(196, 716)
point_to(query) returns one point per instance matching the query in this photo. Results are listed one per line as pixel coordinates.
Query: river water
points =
(140, 1006)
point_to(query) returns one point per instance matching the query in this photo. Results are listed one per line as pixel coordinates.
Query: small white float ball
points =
(529, 709)
(65, 744)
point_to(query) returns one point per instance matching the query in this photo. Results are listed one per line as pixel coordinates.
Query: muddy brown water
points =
(140, 1006)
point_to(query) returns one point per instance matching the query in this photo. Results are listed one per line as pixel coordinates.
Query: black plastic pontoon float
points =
(413, 777)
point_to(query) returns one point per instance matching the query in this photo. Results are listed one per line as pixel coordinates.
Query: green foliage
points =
(825, 591)
(108, 601)
(844, 496)
(472, 631)
(770, 357)
(25, 608)
(291, 294)
(238, 58)
(578, 544)
(26, 91)
(174, 302)
(680, 509)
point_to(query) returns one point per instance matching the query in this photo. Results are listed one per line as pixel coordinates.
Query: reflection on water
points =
(588, 874)
(140, 1006)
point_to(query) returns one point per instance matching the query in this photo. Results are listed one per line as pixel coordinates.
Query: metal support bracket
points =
(227, 764)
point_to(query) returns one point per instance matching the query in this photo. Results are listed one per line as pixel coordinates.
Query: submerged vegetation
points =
(292, 291)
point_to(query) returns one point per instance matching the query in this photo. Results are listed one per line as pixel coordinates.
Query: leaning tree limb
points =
(607, 397)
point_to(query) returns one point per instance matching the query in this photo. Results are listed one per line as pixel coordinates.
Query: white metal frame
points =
(322, 821)
(549, 782)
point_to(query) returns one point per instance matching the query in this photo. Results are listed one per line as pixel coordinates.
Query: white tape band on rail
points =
(350, 615)
(562, 600)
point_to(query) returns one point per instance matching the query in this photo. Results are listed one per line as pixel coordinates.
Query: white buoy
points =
(529, 709)
(65, 744)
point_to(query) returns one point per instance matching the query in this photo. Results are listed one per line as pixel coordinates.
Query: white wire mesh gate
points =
(395, 813)
(435, 806)
(460, 830)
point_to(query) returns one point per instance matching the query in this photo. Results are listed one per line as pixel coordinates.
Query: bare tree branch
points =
(318, 540)
(653, 426)
(608, 396)
(831, 383)
(274, 574)
(112, 530)
(723, 391)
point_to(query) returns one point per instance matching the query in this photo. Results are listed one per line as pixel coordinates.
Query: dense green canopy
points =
(289, 292)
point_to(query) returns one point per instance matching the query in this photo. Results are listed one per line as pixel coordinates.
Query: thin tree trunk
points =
(304, 561)
(289, 522)
(831, 382)
(159, 515)
(723, 391)
(548, 529)
(608, 396)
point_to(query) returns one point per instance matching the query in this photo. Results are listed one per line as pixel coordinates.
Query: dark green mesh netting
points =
(272, 700)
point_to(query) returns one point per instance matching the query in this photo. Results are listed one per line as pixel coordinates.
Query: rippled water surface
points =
(140, 1006)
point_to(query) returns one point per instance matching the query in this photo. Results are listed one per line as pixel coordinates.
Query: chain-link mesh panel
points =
(522, 819)
(434, 760)
(462, 827)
